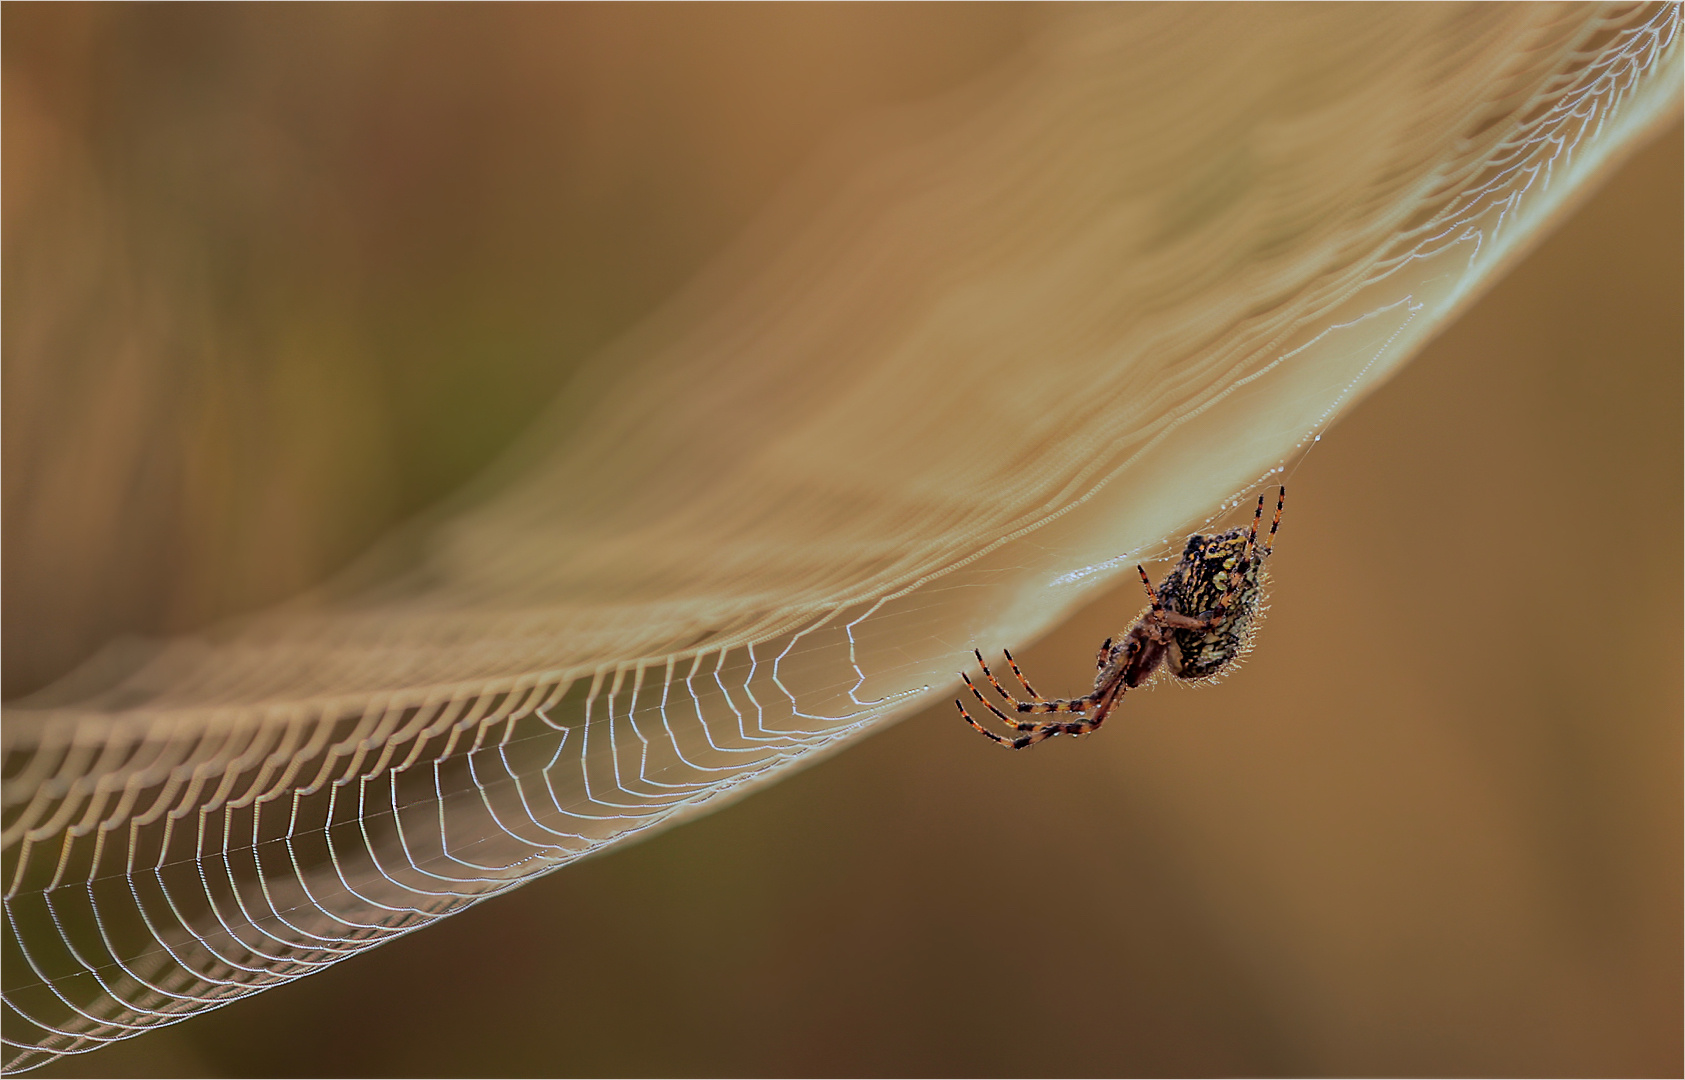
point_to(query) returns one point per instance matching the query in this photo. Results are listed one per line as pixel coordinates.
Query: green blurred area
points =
(1431, 827)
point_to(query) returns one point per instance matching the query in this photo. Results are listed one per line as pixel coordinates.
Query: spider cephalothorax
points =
(1200, 620)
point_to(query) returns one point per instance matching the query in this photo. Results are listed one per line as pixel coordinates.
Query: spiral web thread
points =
(1055, 318)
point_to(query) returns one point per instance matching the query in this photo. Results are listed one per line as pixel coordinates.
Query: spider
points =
(1200, 620)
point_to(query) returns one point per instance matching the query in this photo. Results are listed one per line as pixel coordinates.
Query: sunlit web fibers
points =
(981, 350)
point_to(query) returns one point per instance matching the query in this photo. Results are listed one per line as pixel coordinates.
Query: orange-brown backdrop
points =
(1432, 827)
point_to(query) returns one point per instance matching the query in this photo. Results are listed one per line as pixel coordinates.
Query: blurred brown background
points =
(1432, 828)
(280, 276)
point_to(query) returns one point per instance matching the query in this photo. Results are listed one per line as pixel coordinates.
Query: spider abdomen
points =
(1197, 585)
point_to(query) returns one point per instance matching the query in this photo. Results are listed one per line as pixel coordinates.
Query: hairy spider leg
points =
(1042, 733)
(1016, 725)
(999, 689)
(1105, 697)
(1010, 744)
(1105, 654)
(1280, 501)
(1037, 734)
(1257, 515)
(1032, 690)
(1152, 593)
(1046, 731)
(1041, 704)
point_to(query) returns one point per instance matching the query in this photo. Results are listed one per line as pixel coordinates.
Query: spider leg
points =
(1040, 704)
(1080, 727)
(1045, 732)
(1037, 732)
(1105, 654)
(1020, 674)
(1152, 593)
(1252, 544)
(999, 689)
(1252, 533)
(1104, 698)
(1281, 500)
(1163, 616)
(1019, 725)
(1178, 621)
(1221, 611)
(1010, 744)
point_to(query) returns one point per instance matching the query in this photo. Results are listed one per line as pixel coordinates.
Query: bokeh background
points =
(279, 277)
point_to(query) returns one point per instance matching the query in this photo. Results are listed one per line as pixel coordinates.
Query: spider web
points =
(925, 405)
